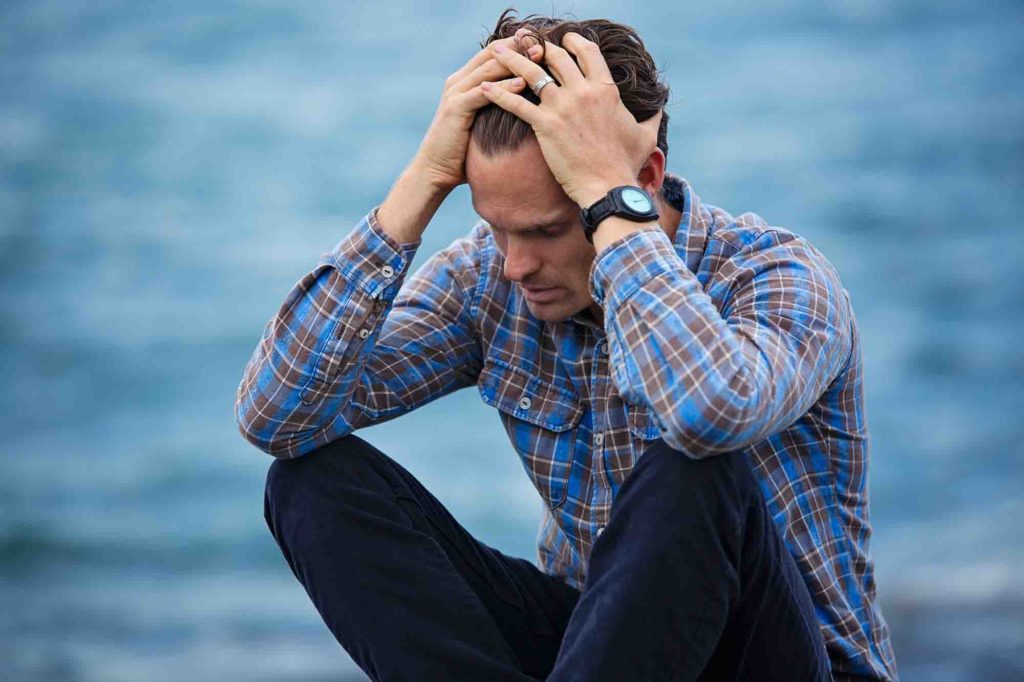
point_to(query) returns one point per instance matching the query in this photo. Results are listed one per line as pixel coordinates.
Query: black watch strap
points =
(614, 203)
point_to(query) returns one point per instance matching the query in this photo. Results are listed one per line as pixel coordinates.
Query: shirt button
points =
(387, 271)
(603, 348)
(598, 439)
(599, 531)
(363, 333)
(525, 403)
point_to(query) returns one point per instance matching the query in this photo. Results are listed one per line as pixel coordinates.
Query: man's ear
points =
(652, 173)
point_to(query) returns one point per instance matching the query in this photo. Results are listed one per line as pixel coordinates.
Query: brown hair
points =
(632, 67)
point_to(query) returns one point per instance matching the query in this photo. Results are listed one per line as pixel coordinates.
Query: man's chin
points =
(556, 311)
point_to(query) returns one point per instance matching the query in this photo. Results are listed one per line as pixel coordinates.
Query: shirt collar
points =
(692, 233)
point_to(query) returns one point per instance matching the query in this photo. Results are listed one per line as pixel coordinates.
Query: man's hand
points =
(590, 140)
(442, 154)
(440, 163)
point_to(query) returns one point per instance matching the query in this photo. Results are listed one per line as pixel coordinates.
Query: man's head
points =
(534, 223)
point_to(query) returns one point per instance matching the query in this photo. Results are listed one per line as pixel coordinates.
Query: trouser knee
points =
(726, 476)
(295, 487)
(671, 502)
(345, 459)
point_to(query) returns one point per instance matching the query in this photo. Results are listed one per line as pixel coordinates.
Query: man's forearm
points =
(721, 373)
(410, 206)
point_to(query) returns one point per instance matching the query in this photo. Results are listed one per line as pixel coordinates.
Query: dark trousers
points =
(689, 581)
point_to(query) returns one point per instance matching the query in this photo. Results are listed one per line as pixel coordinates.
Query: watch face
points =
(636, 200)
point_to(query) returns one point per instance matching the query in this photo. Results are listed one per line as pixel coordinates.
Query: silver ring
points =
(539, 85)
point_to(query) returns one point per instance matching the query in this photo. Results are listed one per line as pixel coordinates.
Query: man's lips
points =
(540, 294)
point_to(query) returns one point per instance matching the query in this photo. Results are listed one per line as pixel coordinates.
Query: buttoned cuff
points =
(628, 263)
(370, 259)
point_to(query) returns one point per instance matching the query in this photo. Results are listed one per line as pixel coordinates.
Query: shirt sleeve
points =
(350, 346)
(717, 378)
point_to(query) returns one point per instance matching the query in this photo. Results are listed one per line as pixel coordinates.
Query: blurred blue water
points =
(169, 170)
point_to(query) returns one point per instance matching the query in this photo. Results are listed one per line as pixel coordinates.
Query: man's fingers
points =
(512, 102)
(561, 64)
(481, 57)
(589, 56)
(521, 66)
(491, 70)
(477, 97)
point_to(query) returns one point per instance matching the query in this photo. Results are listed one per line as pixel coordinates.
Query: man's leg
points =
(407, 591)
(690, 580)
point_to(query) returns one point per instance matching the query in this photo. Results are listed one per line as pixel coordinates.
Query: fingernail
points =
(486, 85)
(517, 82)
(500, 47)
(534, 51)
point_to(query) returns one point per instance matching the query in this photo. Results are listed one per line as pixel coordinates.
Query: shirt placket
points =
(600, 391)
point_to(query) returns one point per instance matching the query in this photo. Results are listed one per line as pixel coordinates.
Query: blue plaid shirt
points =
(734, 335)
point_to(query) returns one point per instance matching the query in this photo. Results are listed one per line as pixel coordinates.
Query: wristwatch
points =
(627, 201)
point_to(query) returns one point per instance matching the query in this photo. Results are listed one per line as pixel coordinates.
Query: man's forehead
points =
(516, 191)
(523, 214)
(524, 221)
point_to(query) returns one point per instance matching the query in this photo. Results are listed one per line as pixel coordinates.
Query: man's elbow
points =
(270, 447)
(282, 443)
(249, 426)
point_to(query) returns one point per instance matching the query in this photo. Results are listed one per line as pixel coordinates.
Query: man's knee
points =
(727, 474)
(340, 463)
(671, 501)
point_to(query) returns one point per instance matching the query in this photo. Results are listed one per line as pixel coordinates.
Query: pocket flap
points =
(527, 397)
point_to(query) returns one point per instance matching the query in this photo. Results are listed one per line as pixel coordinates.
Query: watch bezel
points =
(611, 204)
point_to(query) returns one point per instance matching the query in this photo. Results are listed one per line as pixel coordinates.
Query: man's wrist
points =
(410, 205)
(612, 227)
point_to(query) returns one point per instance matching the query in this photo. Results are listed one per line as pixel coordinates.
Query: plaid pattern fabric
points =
(734, 335)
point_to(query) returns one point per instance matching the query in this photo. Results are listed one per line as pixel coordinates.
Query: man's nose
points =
(520, 261)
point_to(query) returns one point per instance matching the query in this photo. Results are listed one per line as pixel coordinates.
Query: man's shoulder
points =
(745, 252)
(714, 233)
(777, 269)
(468, 265)
(747, 231)
(469, 252)
(748, 237)
(476, 243)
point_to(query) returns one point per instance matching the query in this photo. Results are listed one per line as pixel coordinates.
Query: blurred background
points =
(169, 170)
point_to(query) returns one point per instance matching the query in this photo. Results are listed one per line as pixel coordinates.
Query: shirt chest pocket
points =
(540, 419)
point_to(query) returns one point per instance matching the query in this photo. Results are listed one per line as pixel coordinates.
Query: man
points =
(684, 388)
